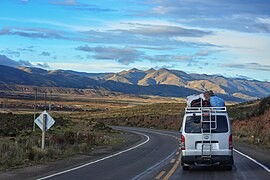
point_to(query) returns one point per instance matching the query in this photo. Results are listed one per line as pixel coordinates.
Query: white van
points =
(206, 137)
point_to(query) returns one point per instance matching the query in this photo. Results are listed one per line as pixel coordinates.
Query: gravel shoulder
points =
(33, 172)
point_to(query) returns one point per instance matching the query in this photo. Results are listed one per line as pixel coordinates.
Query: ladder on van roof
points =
(207, 125)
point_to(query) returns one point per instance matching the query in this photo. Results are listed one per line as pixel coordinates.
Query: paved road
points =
(158, 157)
(243, 169)
(142, 162)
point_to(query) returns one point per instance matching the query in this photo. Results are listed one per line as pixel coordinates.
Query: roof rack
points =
(203, 109)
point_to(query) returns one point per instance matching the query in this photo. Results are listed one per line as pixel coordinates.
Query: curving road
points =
(142, 162)
(157, 156)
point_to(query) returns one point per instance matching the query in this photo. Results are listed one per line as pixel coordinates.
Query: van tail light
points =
(183, 146)
(230, 143)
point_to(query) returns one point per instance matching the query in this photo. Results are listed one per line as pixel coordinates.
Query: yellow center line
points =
(170, 173)
(160, 174)
(172, 161)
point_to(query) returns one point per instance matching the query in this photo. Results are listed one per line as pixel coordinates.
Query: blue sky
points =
(226, 37)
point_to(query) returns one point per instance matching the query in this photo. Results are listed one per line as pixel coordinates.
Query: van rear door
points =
(196, 140)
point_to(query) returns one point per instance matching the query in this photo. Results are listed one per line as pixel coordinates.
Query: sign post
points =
(44, 122)
(43, 130)
(35, 112)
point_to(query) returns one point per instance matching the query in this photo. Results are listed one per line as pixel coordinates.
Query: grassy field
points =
(158, 115)
(25, 100)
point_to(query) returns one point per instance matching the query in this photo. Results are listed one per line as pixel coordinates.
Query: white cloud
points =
(69, 26)
(163, 31)
(264, 20)
(244, 47)
(248, 66)
(122, 55)
(97, 66)
(65, 2)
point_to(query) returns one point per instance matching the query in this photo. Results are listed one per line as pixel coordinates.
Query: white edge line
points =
(102, 159)
(260, 164)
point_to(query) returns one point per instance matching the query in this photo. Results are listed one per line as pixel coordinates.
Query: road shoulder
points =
(261, 155)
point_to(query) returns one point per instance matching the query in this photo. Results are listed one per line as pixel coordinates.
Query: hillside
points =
(203, 85)
(130, 77)
(149, 77)
(39, 77)
(251, 122)
(156, 90)
(236, 87)
(162, 82)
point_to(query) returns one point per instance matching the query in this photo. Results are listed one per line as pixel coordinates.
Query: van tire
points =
(229, 167)
(185, 168)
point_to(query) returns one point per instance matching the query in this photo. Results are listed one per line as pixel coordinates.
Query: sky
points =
(225, 37)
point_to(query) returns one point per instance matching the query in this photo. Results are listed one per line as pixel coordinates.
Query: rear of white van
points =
(200, 145)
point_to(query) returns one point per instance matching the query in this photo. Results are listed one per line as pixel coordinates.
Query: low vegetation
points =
(251, 122)
(20, 146)
(158, 115)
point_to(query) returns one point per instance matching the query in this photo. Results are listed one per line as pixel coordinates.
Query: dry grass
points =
(23, 101)
(159, 115)
(251, 122)
(20, 146)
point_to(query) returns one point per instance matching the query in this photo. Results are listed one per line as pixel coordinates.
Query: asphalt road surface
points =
(157, 156)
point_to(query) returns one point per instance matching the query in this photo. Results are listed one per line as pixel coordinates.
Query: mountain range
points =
(161, 82)
(237, 87)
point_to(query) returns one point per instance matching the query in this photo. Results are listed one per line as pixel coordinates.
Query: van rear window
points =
(221, 125)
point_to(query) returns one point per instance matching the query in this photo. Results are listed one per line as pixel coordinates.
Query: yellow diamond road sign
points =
(48, 123)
